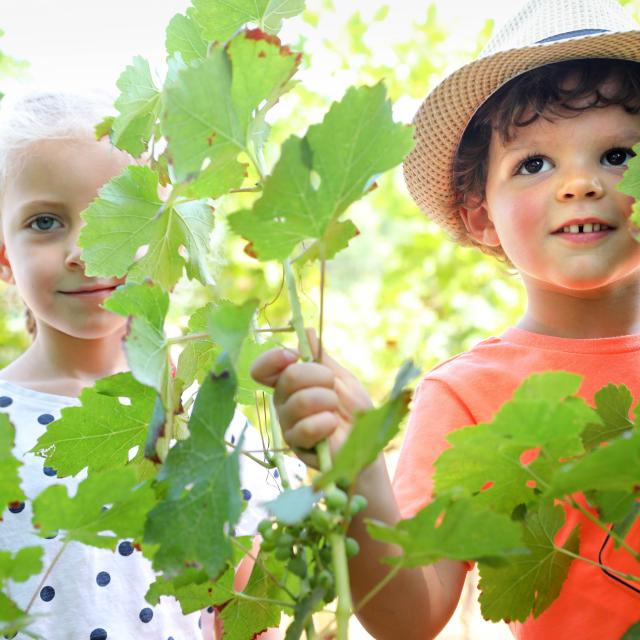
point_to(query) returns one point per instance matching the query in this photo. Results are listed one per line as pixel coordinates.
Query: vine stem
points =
(625, 576)
(336, 539)
(587, 514)
(46, 575)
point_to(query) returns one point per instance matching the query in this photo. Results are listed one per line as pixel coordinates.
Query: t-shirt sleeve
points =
(436, 411)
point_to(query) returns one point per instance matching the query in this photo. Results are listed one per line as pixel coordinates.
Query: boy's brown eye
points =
(534, 164)
(618, 157)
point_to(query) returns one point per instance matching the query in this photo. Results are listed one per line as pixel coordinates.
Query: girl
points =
(51, 168)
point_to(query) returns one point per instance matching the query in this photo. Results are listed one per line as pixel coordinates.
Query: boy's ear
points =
(6, 272)
(479, 225)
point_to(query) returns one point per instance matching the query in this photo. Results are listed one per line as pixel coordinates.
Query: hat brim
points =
(447, 110)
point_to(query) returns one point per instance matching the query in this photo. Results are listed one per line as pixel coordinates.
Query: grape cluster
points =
(305, 546)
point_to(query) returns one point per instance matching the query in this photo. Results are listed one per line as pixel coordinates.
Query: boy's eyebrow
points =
(615, 137)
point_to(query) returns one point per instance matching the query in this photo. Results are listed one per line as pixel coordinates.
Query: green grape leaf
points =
(100, 433)
(336, 238)
(184, 36)
(244, 619)
(210, 105)
(217, 179)
(198, 356)
(188, 225)
(247, 386)
(129, 215)
(139, 106)
(193, 589)
(293, 505)
(82, 518)
(19, 567)
(633, 632)
(201, 482)
(119, 221)
(13, 617)
(612, 467)
(529, 583)
(490, 459)
(371, 432)
(613, 506)
(613, 404)
(146, 345)
(10, 490)
(229, 326)
(293, 208)
(454, 527)
(220, 19)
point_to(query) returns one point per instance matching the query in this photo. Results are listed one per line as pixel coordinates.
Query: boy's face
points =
(547, 188)
(45, 194)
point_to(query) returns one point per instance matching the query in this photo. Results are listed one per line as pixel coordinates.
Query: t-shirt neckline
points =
(40, 396)
(614, 344)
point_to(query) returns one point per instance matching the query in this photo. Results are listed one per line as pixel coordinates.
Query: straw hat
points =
(542, 32)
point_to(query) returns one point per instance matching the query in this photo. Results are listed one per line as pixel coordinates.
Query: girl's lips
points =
(93, 295)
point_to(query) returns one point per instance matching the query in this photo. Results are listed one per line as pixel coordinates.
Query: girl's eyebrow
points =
(46, 204)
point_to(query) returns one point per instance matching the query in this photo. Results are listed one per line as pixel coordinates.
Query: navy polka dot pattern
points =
(98, 594)
(276, 474)
(103, 579)
(16, 507)
(146, 614)
(125, 548)
(47, 593)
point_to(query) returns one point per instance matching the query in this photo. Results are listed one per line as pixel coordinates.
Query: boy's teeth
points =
(584, 228)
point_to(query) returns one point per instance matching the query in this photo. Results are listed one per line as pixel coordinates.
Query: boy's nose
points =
(580, 186)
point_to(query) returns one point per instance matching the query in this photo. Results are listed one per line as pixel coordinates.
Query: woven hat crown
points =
(541, 32)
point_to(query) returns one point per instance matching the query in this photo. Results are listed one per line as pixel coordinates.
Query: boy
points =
(518, 153)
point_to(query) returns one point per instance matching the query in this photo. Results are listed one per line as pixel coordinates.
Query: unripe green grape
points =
(325, 580)
(285, 540)
(336, 499)
(264, 526)
(329, 596)
(267, 545)
(352, 547)
(282, 553)
(325, 555)
(321, 520)
(298, 566)
(358, 504)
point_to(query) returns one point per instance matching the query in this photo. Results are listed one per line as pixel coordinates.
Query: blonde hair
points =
(43, 114)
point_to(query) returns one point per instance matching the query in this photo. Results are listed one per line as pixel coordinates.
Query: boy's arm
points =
(316, 401)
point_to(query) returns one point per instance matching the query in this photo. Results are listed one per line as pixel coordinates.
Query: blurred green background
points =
(402, 289)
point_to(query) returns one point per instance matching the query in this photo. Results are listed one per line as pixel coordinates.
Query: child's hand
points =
(314, 401)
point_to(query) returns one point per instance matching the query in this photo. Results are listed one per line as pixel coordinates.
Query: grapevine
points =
(204, 133)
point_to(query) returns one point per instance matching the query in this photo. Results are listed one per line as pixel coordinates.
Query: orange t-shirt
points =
(469, 389)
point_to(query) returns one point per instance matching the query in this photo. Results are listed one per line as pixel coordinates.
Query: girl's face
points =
(40, 221)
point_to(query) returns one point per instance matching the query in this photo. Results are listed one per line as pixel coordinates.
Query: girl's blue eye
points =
(43, 223)
(532, 165)
(617, 157)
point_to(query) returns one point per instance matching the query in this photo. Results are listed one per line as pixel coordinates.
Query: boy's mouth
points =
(583, 226)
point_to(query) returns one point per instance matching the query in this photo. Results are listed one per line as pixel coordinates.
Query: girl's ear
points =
(6, 272)
(479, 225)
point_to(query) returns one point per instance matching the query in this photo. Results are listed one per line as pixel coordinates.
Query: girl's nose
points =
(580, 185)
(73, 260)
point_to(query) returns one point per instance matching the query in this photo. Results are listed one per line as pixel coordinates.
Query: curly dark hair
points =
(554, 90)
